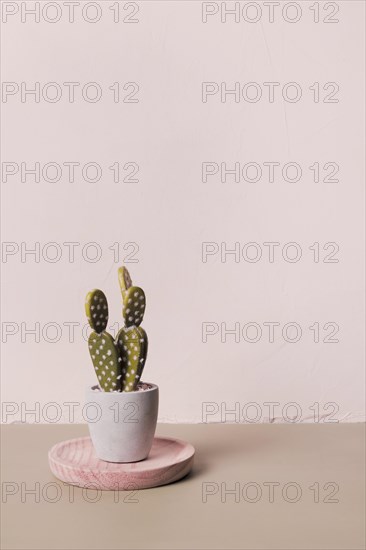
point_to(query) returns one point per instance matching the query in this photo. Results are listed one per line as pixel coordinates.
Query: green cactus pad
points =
(134, 304)
(124, 278)
(96, 309)
(132, 345)
(106, 360)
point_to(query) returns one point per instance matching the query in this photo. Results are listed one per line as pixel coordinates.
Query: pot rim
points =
(154, 387)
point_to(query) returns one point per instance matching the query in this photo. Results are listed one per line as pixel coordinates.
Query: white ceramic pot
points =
(122, 424)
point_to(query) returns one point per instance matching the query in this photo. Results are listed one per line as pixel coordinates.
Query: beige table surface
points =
(328, 458)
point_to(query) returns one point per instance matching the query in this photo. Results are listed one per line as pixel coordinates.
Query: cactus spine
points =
(118, 364)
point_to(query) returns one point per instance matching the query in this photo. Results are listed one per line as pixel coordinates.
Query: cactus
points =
(96, 309)
(134, 303)
(106, 361)
(124, 279)
(103, 351)
(132, 346)
(118, 364)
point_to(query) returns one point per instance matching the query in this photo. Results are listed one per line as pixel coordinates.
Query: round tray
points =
(75, 462)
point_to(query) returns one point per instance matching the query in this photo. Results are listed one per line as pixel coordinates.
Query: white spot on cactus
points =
(97, 351)
(129, 363)
(100, 347)
(103, 372)
(119, 377)
(132, 371)
(100, 362)
(103, 341)
(114, 384)
(141, 297)
(99, 377)
(135, 357)
(109, 352)
(130, 318)
(98, 306)
(90, 346)
(93, 356)
(108, 379)
(136, 294)
(129, 300)
(95, 298)
(129, 352)
(119, 359)
(142, 360)
(112, 372)
(107, 368)
(124, 359)
(104, 357)
(136, 304)
(135, 348)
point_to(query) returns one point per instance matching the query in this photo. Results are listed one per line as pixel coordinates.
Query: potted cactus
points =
(127, 408)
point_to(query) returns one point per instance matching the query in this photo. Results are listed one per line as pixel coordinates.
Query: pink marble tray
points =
(74, 461)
